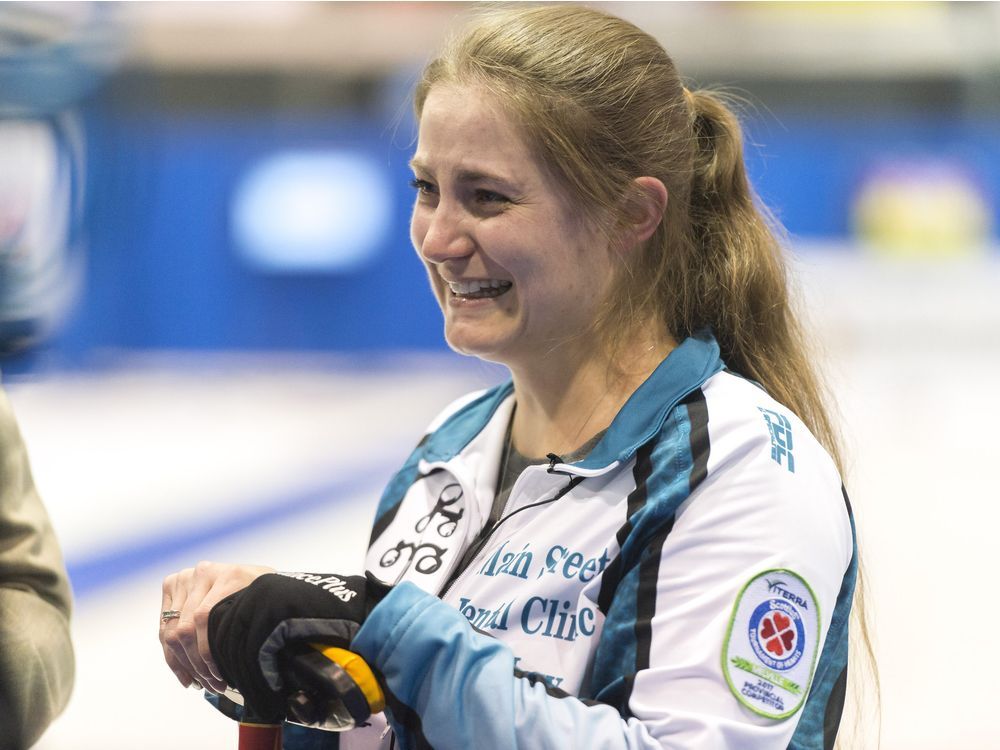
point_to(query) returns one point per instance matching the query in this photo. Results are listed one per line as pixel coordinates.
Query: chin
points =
(470, 350)
(476, 346)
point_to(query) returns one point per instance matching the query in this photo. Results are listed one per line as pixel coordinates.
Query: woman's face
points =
(514, 266)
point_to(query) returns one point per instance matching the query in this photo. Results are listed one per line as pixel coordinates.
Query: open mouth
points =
(478, 288)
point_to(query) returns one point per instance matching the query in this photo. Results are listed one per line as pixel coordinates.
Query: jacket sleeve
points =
(449, 686)
(36, 654)
(678, 644)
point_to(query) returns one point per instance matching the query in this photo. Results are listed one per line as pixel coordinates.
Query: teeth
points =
(475, 285)
(478, 288)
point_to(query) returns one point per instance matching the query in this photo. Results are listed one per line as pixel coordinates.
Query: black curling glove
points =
(248, 630)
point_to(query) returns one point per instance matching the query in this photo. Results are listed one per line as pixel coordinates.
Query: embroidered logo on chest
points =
(425, 548)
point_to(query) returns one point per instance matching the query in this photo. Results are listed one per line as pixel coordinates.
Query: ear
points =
(647, 204)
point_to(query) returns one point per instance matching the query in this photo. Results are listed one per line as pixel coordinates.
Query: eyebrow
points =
(467, 175)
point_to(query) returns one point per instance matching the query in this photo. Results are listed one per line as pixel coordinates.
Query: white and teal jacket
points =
(685, 585)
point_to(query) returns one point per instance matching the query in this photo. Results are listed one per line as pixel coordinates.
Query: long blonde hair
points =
(601, 103)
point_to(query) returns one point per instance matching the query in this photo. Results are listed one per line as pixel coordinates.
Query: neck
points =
(563, 401)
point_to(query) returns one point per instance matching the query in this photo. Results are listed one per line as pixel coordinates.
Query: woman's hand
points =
(250, 630)
(193, 592)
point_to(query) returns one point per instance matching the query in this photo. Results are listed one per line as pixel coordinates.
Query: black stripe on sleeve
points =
(700, 445)
(641, 470)
(847, 501)
(645, 609)
(649, 567)
(834, 710)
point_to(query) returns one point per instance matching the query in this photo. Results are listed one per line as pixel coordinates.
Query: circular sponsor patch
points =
(771, 646)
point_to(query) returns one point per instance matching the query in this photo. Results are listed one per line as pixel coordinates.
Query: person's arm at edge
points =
(37, 665)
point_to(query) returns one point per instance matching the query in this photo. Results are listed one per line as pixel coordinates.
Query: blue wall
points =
(162, 271)
(807, 169)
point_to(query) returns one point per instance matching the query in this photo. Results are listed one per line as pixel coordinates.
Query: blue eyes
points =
(480, 196)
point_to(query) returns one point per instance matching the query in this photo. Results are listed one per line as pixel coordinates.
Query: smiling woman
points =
(641, 540)
(489, 216)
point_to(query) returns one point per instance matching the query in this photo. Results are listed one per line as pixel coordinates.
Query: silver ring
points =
(170, 614)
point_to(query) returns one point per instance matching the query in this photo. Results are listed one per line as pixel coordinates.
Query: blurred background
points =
(219, 343)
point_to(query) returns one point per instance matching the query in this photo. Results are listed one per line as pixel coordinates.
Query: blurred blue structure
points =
(312, 211)
(165, 271)
(51, 57)
(808, 169)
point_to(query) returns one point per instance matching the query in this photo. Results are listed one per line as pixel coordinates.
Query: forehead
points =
(466, 129)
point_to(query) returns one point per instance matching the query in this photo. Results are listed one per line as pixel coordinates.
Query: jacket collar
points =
(693, 362)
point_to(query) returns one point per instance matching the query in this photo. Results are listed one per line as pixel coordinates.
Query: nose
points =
(441, 234)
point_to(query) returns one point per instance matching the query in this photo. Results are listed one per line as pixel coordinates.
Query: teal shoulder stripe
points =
(615, 655)
(462, 426)
(393, 494)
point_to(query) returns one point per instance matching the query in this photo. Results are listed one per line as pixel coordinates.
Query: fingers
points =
(174, 597)
(191, 630)
(182, 675)
(220, 589)
(193, 592)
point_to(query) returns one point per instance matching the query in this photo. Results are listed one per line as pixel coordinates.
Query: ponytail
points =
(741, 289)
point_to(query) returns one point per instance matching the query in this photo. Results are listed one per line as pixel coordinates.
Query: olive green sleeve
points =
(36, 654)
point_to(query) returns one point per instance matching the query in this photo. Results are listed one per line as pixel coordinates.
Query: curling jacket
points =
(616, 601)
